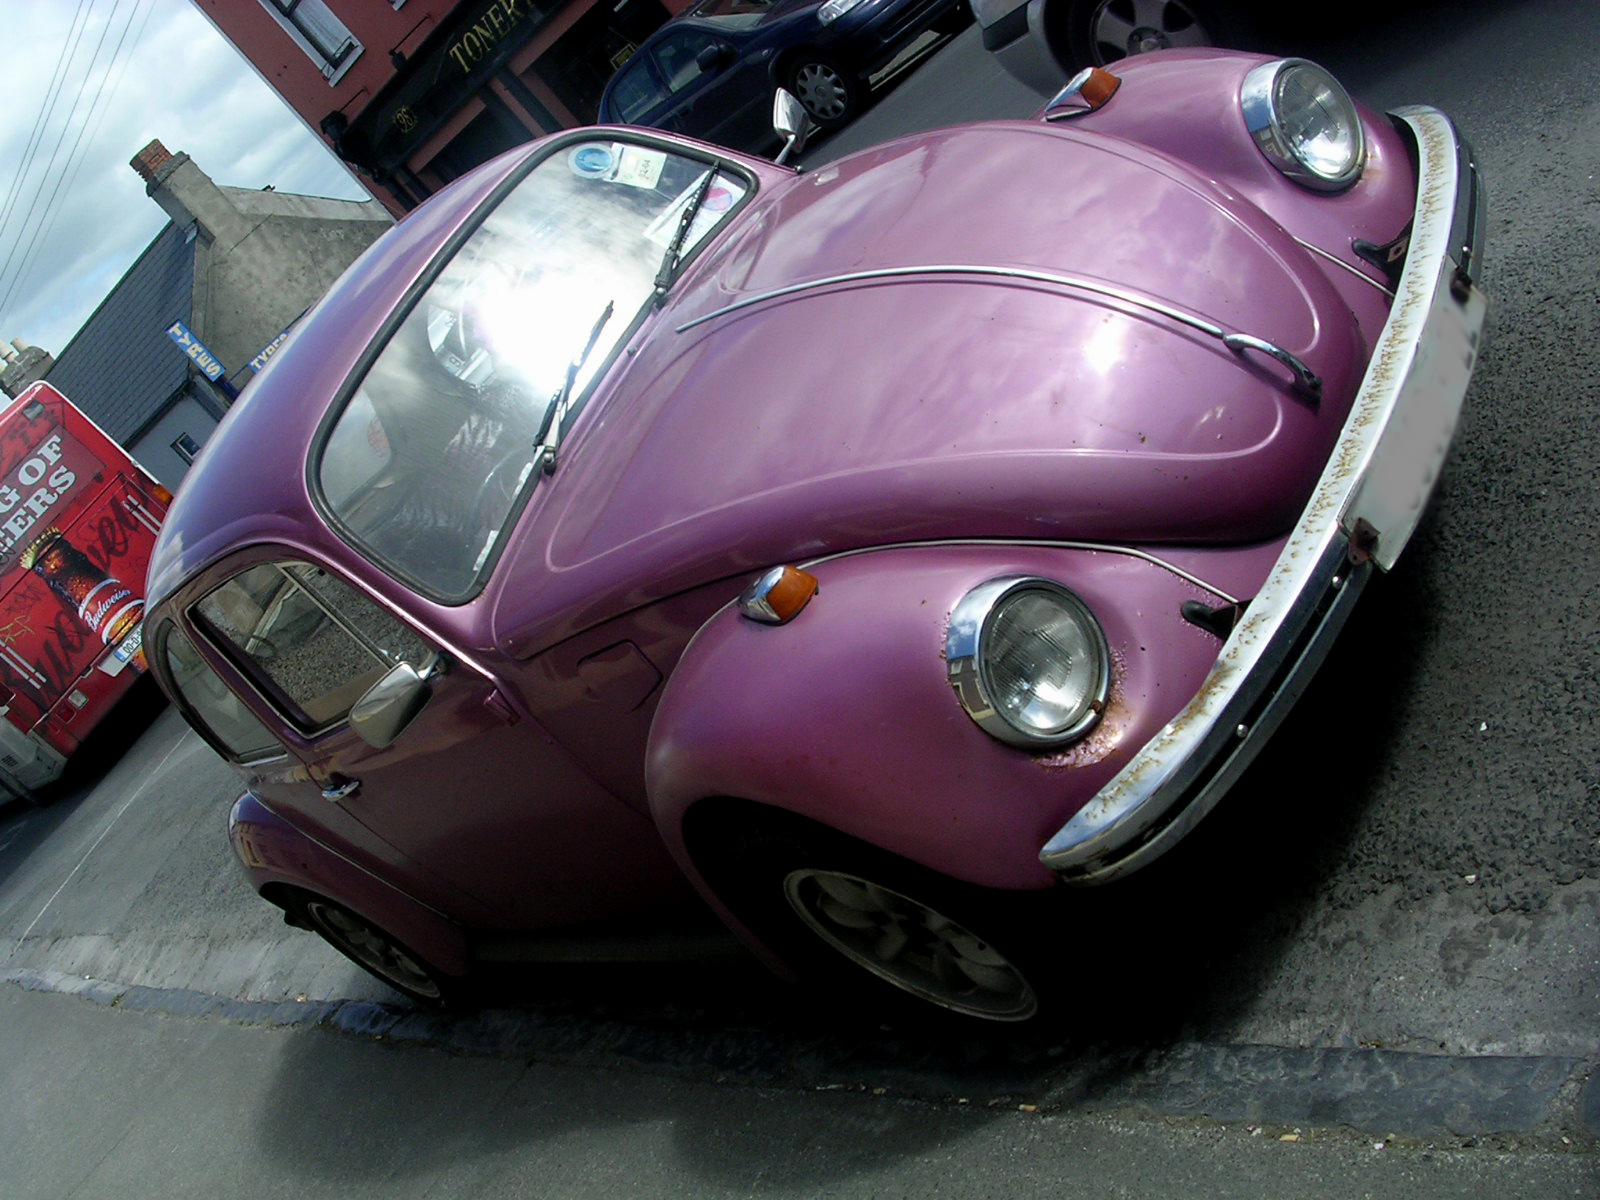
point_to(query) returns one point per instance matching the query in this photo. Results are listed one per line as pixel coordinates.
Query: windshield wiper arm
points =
(669, 261)
(562, 400)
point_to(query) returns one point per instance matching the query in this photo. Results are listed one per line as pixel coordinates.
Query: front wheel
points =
(830, 94)
(849, 917)
(911, 945)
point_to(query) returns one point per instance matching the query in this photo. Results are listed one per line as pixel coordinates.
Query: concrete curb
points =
(1381, 1092)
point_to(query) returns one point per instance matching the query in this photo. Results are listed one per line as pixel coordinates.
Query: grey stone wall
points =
(247, 293)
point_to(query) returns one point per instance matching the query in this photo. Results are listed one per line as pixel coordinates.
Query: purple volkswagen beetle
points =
(866, 551)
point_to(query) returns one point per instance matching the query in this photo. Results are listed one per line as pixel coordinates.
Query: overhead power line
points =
(31, 233)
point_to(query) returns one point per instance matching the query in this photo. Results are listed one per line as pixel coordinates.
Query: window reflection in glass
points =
(318, 641)
(230, 723)
(424, 465)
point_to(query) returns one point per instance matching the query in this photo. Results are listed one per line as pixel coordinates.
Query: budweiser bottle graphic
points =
(109, 608)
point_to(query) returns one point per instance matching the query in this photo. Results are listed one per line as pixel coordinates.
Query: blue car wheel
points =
(831, 95)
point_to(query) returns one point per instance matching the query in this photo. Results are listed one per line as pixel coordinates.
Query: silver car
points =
(1042, 42)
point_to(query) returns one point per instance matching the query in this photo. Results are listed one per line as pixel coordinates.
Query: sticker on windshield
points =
(722, 195)
(615, 162)
(592, 161)
(640, 168)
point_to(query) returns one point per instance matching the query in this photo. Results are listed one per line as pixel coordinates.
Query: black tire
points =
(954, 21)
(382, 956)
(1100, 32)
(846, 916)
(831, 95)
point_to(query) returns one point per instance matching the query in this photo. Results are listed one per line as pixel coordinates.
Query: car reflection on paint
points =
(710, 72)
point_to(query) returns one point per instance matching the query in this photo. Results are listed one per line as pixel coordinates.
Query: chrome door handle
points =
(341, 791)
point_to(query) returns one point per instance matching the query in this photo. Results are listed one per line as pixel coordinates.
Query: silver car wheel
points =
(371, 948)
(1119, 28)
(910, 945)
(823, 90)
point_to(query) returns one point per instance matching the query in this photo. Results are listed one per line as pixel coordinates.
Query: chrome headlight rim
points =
(1260, 100)
(972, 622)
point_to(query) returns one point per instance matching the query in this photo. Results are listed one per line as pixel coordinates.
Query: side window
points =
(680, 58)
(229, 722)
(317, 642)
(315, 28)
(634, 91)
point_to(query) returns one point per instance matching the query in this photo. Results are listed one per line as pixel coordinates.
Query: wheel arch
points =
(783, 66)
(280, 861)
(845, 715)
(1053, 20)
(766, 863)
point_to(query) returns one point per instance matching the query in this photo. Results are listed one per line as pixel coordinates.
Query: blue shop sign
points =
(195, 349)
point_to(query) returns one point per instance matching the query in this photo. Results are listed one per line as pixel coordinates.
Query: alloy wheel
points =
(373, 949)
(911, 945)
(1119, 28)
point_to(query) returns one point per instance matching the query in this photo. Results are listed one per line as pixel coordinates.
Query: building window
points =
(185, 447)
(317, 31)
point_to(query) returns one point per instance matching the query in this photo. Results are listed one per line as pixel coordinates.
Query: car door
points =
(474, 799)
(716, 91)
(636, 96)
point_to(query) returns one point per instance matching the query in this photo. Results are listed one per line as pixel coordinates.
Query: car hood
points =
(947, 403)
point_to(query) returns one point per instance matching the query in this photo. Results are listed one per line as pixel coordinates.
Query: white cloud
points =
(176, 80)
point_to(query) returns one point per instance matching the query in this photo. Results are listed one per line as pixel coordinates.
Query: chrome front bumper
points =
(1364, 509)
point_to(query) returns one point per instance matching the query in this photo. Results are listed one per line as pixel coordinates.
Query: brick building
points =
(412, 93)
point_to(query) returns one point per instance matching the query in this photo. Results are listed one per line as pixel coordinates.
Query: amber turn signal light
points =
(1098, 86)
(778, 595)
(1088, 90)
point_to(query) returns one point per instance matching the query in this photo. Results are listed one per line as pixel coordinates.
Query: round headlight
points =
(1028, 661)
(1305, 123)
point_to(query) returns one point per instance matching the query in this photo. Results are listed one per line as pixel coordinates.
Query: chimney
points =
(21, 365)
(150, 160)
(187, 194)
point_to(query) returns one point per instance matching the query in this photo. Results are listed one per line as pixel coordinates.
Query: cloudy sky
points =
(87, 84)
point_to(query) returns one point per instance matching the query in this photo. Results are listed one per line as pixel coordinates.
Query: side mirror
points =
(789, 122)
(388, 706)
(713, 57)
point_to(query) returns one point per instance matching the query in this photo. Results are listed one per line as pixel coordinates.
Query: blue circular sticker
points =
(591, 161)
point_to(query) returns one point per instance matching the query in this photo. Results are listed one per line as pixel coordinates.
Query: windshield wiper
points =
(550, 436)
(669, 262)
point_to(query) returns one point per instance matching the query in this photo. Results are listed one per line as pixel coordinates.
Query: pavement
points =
(117, 1099)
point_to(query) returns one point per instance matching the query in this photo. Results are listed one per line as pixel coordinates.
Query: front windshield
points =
(424, 465)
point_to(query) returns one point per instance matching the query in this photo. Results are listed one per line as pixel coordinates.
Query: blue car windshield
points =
(424, 466)
(731, 21)
(734, 14)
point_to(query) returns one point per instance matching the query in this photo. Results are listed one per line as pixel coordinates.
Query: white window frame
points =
(331, 71)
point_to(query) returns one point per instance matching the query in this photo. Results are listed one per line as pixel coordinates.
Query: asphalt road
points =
(1389, 928)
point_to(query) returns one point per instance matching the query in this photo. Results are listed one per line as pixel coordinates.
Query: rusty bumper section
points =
(1364, 509)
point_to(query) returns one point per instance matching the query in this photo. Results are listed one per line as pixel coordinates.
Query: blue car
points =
(710, 72)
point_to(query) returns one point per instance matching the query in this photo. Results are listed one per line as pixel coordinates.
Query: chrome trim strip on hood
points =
(1239, 342)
